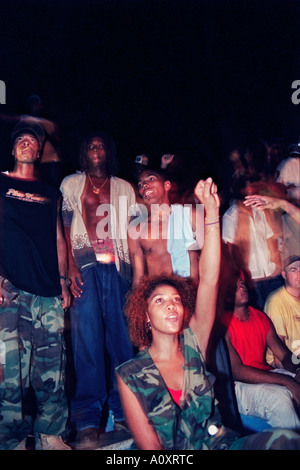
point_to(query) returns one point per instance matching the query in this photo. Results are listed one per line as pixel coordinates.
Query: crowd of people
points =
(149, 267)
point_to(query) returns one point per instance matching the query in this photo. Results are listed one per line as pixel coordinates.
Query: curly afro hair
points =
(136, 304)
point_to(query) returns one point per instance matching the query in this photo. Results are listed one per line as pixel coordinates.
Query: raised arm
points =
(209, 265)
(269, 202)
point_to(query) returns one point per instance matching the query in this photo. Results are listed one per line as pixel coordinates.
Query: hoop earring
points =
(148, 326)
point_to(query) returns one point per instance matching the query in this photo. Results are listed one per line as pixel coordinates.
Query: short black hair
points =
(161, 173)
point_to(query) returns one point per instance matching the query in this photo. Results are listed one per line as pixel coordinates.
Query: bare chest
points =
(154, 246)
(95, 207)
(172, 373)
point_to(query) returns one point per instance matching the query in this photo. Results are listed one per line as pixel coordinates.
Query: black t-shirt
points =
(28, 249)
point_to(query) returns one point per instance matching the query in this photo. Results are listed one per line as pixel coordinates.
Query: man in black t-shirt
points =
(33, 295)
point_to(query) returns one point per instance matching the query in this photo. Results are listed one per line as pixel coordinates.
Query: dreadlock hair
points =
(111, 153)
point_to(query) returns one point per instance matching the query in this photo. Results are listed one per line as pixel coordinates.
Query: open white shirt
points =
(260, 264)
(289, 174)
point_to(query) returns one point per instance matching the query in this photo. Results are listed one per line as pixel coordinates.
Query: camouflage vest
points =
(178, 427)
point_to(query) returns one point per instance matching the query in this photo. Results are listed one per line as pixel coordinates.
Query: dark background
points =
(161, 76)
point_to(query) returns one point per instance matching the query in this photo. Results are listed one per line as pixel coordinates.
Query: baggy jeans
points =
(100, 342)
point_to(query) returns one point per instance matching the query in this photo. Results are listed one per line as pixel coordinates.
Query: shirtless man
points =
(162, 239)
(100, 274)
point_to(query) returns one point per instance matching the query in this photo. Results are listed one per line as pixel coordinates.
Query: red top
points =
(249, 338)
(176, 394)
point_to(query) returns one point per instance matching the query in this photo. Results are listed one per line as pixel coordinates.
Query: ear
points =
(283, 274)
(167, 185)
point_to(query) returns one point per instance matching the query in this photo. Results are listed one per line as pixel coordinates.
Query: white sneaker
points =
(46, 442)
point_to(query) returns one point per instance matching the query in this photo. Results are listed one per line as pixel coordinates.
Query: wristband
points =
(67, 281)
(212, 223)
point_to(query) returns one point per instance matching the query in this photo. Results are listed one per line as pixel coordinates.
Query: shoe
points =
(87, 439)
(46, 442)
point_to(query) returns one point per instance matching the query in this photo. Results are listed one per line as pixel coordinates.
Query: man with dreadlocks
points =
(96, 214)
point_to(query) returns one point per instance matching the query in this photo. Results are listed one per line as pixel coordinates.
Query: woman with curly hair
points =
(136, 305)
(166, 391)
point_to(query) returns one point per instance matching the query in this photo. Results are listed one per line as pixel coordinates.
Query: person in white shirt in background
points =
(252, 240)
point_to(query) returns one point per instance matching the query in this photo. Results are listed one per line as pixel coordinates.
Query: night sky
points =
(184, 76)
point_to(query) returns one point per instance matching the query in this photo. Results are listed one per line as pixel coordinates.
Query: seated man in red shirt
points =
(259, 390)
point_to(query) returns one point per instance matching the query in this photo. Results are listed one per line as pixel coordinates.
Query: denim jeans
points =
(100, 342)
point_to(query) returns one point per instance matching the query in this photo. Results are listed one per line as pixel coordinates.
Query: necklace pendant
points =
(94, 189)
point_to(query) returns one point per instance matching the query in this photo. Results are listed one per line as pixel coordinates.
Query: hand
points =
(65, 295)
(7, 291)
(166, 159)
(294, 387)
(206, 192)
(297, 377)
(76, 282)
(263, 202)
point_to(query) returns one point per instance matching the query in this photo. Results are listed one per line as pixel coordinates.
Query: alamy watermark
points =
(2, 92)
(296, 352)
(115, 222)
(296, 94)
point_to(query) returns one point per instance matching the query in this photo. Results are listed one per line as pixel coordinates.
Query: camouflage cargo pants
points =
(32, 354)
